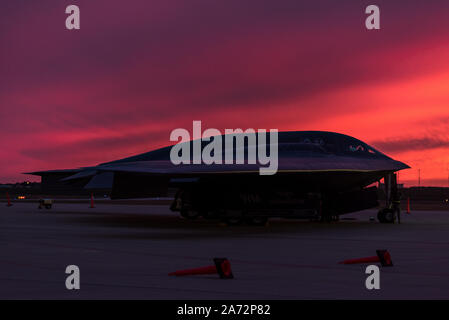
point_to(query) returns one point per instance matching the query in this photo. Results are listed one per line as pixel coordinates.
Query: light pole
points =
(419, 177)
(447, 168)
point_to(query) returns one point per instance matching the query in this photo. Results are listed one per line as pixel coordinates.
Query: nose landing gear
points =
(392, 211)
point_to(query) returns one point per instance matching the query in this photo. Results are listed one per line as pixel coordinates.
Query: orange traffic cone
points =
(383, 256)
(222, 267)
(9, 200)
(92, 205)
(408, 205)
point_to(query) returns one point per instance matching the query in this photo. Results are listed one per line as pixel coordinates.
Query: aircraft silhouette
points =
(321, 175)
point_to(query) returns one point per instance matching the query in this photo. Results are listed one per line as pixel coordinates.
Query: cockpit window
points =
(358, 148)
(316, 141)
(307, 143)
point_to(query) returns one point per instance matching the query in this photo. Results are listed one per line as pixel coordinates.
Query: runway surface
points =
(126, 251)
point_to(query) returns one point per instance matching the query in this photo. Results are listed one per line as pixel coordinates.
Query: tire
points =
(326, 218)
(233, 221)
(386, 216)
(257, 221)
(189, 214)
(207, 214)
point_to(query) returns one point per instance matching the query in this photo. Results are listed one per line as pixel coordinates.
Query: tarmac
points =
(127, 251)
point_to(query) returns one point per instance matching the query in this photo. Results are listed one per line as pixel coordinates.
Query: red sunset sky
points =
(139, 69)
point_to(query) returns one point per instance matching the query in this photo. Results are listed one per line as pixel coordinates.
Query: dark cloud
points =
(106, 148)
(411, 144)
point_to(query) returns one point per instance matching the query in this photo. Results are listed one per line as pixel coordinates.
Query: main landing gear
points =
(184, 205)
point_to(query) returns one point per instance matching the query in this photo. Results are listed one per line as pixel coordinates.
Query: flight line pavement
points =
(127, 251)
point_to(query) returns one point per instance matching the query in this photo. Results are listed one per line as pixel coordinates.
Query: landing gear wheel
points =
(233, 221)
(206, 214)
(257, 221)
(386, 216)
(326, 218)
(189, 214)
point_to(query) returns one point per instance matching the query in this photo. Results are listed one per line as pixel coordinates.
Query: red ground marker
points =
(9, 200)
(92, 205)
(408, 205)
(383, 256)
(222, 267)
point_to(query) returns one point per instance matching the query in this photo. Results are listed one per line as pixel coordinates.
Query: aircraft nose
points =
(402, 165)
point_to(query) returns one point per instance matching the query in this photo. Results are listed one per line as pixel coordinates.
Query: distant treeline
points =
(421, 193)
